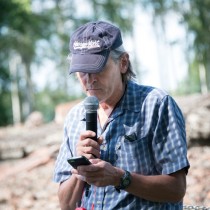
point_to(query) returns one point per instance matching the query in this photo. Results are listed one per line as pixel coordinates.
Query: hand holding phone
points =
(78, 161)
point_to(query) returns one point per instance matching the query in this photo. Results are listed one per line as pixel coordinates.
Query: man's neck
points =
(108, 105)
(106, 108)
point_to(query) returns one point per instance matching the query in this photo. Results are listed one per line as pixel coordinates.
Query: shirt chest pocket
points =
(131, 146)
(132, 149)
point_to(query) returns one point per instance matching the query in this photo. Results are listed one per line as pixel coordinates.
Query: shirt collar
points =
(131, 99)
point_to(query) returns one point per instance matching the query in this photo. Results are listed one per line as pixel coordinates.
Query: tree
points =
(5, 100)
(67, 16)
(195, 16)
(28, 34)
(20, 29)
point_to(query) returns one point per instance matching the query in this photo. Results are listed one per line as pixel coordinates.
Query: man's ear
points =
(124, 62)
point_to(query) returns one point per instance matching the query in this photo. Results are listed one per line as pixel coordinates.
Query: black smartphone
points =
(78, 161)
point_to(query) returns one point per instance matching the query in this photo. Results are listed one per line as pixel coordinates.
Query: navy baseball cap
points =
(91, 44)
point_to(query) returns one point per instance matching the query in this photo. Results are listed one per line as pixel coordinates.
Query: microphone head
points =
(91, 104)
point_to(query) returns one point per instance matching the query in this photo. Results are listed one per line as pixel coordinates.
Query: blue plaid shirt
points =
(145, 134)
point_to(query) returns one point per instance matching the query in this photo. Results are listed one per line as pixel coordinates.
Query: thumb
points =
(95, 160)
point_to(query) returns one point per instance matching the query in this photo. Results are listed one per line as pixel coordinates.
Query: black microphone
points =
(91, 105)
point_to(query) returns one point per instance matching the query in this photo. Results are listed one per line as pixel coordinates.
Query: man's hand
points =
(99, 173)
(87, 146)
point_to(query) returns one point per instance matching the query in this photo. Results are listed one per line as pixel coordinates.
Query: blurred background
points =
(168, 41)
(169, 46)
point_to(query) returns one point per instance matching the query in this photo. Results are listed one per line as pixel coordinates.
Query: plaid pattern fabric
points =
(145, 134)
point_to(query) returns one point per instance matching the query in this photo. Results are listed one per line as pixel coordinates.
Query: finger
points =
(82, 146)
(80, 177)
(74, 171)
(88, 142)
(100, 140)
(93, 152)
(95, 161)
(87, 134)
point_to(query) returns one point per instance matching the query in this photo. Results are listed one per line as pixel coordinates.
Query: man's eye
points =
(81, 74)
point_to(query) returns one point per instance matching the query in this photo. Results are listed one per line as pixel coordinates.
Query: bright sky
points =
(163, 65)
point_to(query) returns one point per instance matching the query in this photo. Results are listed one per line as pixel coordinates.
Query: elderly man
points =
(139, 160)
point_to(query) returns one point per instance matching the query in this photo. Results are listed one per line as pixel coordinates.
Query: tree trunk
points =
(13, 67)
(28, 104)
(203, 79)
(208, 75)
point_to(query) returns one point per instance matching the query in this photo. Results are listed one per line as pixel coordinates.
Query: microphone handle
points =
(91, 123)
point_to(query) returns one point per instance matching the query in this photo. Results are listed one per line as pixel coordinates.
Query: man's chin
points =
(92, 92)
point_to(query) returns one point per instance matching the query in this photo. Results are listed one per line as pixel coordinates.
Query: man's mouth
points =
(92, 88)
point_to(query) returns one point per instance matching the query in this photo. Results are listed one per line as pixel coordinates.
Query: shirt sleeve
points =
(169, 143)
(62, 169)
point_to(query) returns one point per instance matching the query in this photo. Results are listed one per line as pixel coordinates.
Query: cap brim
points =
(88, 63)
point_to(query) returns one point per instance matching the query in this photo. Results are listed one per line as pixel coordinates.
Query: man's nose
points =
(91, 78)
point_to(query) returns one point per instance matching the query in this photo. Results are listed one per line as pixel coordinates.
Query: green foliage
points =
(14, 13)
(5, 98)
(20, 29)
(197, 19)
(6, 109)
(35, 36)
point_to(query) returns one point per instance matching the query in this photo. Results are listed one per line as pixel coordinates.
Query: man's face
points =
(105, 85)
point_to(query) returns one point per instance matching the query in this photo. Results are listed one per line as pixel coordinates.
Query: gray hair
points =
(116, 55)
